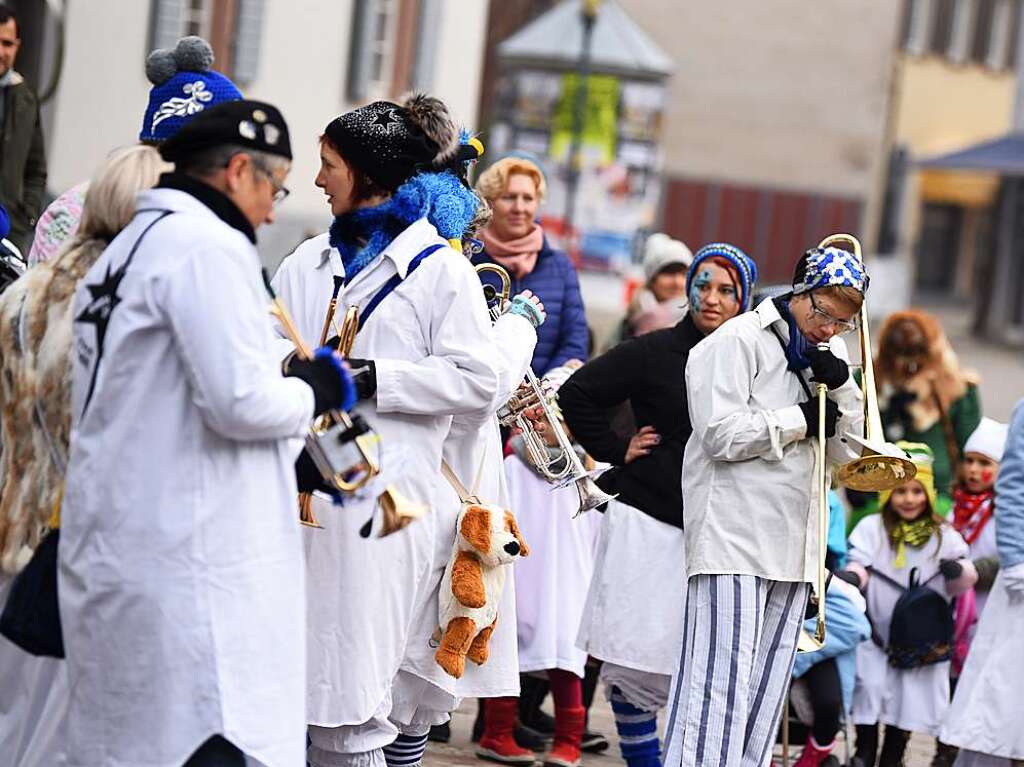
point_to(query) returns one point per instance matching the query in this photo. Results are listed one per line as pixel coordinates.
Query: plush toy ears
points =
(513, 527)
(476, 528)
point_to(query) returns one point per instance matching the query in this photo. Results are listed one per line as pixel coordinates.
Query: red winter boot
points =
(570, 723)
(813, 754)
(497, 743)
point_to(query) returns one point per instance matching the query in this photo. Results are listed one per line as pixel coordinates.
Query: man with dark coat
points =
(23, 157)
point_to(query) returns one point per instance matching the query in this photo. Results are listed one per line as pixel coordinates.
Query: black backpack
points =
(921, 627)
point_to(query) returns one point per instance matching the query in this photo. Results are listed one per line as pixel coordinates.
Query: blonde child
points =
(910, 565)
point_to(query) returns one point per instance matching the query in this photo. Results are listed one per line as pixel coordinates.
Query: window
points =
(942, 26)
(982, 33)
(916, 25)
(380, 45)
(1014, 34)
(960, 34)
(232, 27)
(999, 40)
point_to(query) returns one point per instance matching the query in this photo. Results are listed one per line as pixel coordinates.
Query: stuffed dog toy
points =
(487, 540)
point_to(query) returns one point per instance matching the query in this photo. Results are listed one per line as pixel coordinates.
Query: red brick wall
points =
(773, 226)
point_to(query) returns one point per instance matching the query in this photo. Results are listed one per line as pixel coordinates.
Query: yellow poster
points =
(600, 117)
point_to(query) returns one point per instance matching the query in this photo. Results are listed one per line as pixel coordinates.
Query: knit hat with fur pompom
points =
(390, 143)
(183, 86)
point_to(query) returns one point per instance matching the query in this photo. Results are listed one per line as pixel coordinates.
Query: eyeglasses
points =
(841, 326)
(281, 192)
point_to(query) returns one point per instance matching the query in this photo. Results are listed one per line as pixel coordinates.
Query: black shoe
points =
(831, 761)
(541, 722)
(527, 737)
(440, 733)
(593, 743)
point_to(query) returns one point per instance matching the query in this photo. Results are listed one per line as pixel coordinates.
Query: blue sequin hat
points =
(829, 267)
(183, 86)
(743, 264)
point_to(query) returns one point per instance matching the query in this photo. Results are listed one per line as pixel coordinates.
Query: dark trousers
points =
(216, 752)
(826, 698)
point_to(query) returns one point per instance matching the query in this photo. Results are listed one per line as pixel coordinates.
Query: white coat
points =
(985, 715)
(552, 583)
(911, 699)
(749, 505)
(425, 338)
(473, 450)
(181, 578)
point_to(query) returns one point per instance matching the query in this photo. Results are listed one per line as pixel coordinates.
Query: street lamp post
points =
(588, 16)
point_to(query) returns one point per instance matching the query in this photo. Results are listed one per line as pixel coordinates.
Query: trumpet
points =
(881, 466)
(564, 468)
(340, 445)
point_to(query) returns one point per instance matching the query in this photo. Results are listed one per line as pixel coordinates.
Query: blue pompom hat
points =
(183, 86)
(744, 265)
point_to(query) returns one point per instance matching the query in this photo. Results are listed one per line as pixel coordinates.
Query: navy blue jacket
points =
(563, 336)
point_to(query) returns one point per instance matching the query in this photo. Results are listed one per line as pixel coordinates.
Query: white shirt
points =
(749, 501)
(181, 575)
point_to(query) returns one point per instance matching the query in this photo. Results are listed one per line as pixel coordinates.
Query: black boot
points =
(440, 733)
(867, 746)
(945, 754)
(532, 691)
(893, 747)
(593, 742)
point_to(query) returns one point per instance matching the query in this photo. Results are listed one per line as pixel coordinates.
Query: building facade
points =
(312, 58)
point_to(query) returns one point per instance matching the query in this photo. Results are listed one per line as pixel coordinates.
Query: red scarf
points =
(971, 512)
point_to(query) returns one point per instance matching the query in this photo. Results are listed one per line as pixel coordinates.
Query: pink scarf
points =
(517, 256)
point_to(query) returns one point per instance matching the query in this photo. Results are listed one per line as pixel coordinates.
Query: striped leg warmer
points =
(638, 732)
(406, 751)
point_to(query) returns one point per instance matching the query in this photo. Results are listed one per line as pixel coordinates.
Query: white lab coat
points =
(366, 594)
(552, 583)
(749, 501)
(473, 447)
(181, 578)
(911, 699)
(985, 715)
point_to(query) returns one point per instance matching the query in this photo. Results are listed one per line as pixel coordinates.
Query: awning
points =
(1004, 156)
(619, 46)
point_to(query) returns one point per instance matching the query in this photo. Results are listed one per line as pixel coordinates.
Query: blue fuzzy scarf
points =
(796, 348)
(362, 235)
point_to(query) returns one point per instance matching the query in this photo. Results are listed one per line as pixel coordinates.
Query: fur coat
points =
(35, 387)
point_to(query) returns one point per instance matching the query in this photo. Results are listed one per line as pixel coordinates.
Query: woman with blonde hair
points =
(514, 187)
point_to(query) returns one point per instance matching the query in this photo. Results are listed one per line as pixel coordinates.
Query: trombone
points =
(881, 466)
(565, 467)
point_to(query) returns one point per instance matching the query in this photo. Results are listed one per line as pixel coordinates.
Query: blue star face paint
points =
(700, 282)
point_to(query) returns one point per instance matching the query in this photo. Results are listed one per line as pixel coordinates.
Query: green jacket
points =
(22, 161)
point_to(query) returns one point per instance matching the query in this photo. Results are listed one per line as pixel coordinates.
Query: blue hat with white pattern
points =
(829, 267)
(183, 86)
(742, 263)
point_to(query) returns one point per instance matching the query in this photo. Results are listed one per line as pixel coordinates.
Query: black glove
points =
(324, 379)
(810, 409)
(364, 375)
(849, 576)
(951, 569)
(307, 475)
(827, 368)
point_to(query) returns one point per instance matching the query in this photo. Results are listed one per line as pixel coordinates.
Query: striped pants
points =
(738, 649)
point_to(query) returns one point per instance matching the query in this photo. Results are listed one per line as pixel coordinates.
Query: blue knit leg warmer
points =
(406, 751)
(638, 732)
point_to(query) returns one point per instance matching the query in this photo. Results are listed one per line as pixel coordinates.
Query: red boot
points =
(497, 743)
(813, 754)
(570, 724)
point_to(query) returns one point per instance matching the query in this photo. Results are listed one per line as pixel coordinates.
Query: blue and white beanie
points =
(183, 86)
(743, 264)
(829, 267)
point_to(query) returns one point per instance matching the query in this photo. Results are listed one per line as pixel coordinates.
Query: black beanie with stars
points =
(390, 143)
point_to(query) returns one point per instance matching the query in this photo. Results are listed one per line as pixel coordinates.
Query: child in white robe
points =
(886, 551)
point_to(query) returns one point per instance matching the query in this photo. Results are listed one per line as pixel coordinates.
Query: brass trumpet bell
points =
(397, 511)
